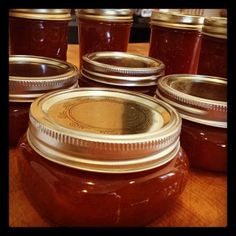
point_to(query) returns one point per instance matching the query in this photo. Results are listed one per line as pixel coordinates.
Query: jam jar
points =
(102, 157)
(176, 40)
(202, 102)
(103, 30)
(121, 70)
(30, 77)
(41, 32)
(213, 55)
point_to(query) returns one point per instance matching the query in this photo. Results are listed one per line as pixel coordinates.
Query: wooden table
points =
(203, 202)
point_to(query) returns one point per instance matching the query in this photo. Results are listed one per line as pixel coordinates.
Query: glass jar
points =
(102, 157)
(121, 70)
(103, 30)
(202, 103)
(29, 78)
(213, 55)
(41, 32)
(176, 40)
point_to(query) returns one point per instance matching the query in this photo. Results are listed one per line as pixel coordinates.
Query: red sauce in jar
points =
(37, 34)
(121, 70)
(175, 42)
(213, 56)
(100, 31)
(74, 180)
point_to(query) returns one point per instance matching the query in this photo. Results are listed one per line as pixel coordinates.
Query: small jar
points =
(103, 30)
(121, 70)
(102, 157)
(213, 55)
(176, 40)
(202, 103)
(29, 78)
(41, 32)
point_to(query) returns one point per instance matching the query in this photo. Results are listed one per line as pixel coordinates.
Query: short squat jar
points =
(176, 39)
(29, 78)
(102, 157)
(121, 70)
(213, 55)
(40, 32)
(202, 103)
(103, 30)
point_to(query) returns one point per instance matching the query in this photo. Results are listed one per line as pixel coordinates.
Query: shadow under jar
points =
(40, 32)
(102, 157)
(213, 55)
(202, 102)
(176, 40)
(29, 78)
(103, 30)
(121, 70)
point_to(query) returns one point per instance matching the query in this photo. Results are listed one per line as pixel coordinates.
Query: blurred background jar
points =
(41, 32)
(103, 29)
(121, 70)
(176, 40)
(213, 55)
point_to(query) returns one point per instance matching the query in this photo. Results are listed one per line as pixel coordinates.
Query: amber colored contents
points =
(206, 146)
(95, 36)
(149, 90)
(179, 49)
(18, 120)
(72, 197)
(47, 38)
(213, 57)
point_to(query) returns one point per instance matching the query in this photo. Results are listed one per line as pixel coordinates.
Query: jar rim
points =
(176, 20)
(198, 98)
(26, 87)
(42, 14)
(91, 128)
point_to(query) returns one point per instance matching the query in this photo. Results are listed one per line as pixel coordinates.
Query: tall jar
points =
(40, 32)
(213, 55)
(202, 103)
(102, 157)
(29, 78)
(103, 30)
(121, 70)
(176, 40)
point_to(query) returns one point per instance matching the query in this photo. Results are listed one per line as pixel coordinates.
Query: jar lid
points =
(198, 98)
(122, 68)
(42, 14)
(176, 20)
(104, 130)
(31, 76)
(117, 15)
(215, 26)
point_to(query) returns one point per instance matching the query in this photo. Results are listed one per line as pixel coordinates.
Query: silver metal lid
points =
(32, 76)
(215, 27)
(42, 14)
(177, 20)
(116, 15)
(122, 68)
(198, 98)
(104, 130)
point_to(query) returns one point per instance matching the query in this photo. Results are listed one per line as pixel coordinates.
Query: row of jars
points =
(98, 156)
(185, 43)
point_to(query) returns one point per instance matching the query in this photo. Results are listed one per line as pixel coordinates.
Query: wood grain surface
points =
(203, 202)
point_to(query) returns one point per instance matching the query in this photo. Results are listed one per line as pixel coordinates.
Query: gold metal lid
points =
(198, 98)
(177, 20)
(32, 76)
(104, 130)
(117, 15)
(42, 14)
(122, 68)
(215, 27)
